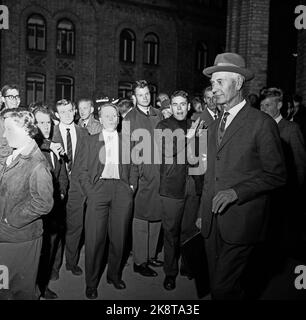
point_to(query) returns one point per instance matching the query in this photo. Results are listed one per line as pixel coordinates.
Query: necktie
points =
(148, 112)
(69, 150)
(215, 116)
(221, 129)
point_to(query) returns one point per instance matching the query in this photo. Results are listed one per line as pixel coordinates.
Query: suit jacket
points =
(92, 164)
(59, 173)
(81, 134)
(249, 160)
(93, 126)
(295, 153)
(206, 116)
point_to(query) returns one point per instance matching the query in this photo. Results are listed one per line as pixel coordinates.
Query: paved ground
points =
(70, 287)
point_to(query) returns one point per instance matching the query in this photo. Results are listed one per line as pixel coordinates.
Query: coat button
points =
(218, 158)
(217, 179)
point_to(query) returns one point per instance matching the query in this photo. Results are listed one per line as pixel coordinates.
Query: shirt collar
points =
(278, 119)
(212, 113)
(233, 111)
(65, 126)
(144, 110)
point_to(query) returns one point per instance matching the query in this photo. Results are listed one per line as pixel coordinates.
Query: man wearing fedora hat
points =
(245, 164)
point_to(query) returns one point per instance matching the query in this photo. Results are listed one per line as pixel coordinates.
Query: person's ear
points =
(239, 83)
(92, 110)
(57, 115)
(279, 105)
(188, 108)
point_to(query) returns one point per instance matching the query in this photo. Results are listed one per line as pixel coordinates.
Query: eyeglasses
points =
(10, 97)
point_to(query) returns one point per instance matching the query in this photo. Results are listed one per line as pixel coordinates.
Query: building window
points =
(153, 91)
(201, 56)
(64, 88)
(151, 49)
(65, 38)
(127, 46)
(36, 33)
(125, 89)
(35, 88)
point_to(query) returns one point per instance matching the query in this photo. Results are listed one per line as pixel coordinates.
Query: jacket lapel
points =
(57, 137)
(235, 125)
(100, 156)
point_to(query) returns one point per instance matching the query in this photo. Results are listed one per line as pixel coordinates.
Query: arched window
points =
(65, 38)
(127, 46)
(35, 87)
(124, 89)
(151, 49)
(36, 33)
(64, 88)
(201, 56)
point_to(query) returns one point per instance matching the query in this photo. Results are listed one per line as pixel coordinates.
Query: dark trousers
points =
(109, 209)
(52, 246)
(178, 220)
(172, 213)
(22, 261)
(192, 203)
(226, 263)
(74, 226)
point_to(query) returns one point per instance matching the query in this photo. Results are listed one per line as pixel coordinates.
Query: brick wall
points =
(96, 68)
(247, 34)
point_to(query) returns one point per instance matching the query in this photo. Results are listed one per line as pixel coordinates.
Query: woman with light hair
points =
(26, 194)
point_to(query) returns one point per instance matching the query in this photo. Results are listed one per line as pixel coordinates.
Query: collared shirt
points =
(233, 112)
(212, 114)
(111, 168)
(63, 129)
(143, 109)
(52, 159)
(278, 119)
(15, 153)
(85, 123)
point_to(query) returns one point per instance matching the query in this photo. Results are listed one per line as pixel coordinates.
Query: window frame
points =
(35, 31)
(147, 57)
(33, 74)
(127, 90)
(123, 51)
(59, 35)
(72, 88)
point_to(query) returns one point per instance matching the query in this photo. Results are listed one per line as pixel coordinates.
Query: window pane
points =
(65, 38)
(35, 88)
(127, 46)
(36, 33)
(64, 88)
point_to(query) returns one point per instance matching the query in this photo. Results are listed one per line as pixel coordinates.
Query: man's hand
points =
(223, 199)
(193, 129)
(199, 223)
(57, 149)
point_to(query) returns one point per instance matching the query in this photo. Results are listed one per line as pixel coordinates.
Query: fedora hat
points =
(229, 62)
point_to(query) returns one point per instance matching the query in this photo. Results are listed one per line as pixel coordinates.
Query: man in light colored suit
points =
(245, 163)
(87, 120)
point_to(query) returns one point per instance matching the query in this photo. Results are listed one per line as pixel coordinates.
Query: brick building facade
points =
(93, 48)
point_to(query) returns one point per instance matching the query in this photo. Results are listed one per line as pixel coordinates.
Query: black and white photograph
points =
(152, 153)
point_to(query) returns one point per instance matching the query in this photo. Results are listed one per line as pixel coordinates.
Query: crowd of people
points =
(123, 176)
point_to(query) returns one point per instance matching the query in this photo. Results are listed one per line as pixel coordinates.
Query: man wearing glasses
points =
(10, 96)
(11, 99)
